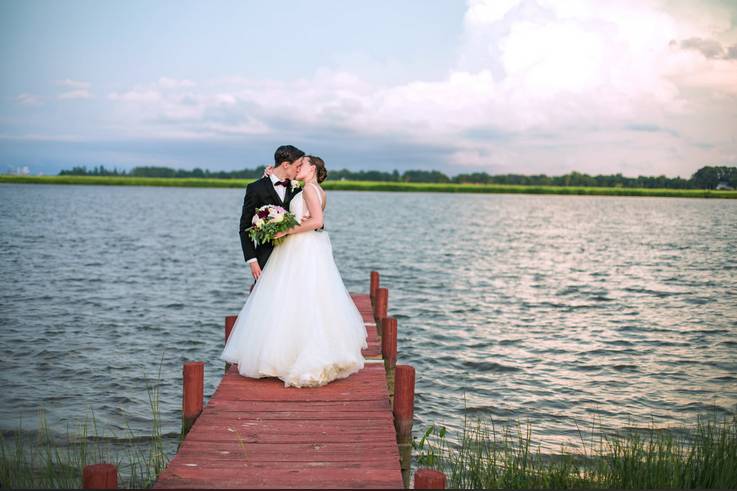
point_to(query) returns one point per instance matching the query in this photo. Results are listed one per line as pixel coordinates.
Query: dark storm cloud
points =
(710, 48)
(650, 128)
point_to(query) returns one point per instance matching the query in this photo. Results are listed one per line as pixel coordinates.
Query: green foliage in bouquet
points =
(268, 221)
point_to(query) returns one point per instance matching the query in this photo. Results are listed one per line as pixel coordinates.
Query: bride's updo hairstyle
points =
(321, 173)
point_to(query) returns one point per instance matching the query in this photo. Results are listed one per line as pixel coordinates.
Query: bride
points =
(299, 323)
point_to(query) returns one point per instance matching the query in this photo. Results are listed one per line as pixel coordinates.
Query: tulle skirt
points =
(299, 323)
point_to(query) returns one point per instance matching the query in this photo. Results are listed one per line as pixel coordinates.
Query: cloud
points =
(76, 89)
(171, 83)
(136, 95)
(710, 48)
(485, 13)
(73, 84)
(582, 75)
(644, 86)
(76, 94)
(35, 137)
(27, 99)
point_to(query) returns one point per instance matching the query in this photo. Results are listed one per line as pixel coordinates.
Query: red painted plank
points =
(303, 406)
(296, 460)
(254, 456)
(190, 477)
(293, 424)
(312, 437)
(282, 397)
(328, 415)
(275, 451)
(192, 460)
(338, 387)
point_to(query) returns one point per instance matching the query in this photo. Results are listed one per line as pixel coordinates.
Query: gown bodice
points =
(297, 205)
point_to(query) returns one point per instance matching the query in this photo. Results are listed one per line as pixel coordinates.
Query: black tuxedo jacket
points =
(258, 194)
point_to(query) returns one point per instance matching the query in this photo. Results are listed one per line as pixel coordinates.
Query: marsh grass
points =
(488, 456)
(42, 460)
(375, 186)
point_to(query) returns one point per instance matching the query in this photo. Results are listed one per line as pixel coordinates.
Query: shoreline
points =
(375, 186)
(513, 446)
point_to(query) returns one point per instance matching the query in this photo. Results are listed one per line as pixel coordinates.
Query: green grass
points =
(48, 462)
(488, 457)
(374, 186)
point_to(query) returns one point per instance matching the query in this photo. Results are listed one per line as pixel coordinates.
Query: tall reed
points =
(487, 456)
(42, 460)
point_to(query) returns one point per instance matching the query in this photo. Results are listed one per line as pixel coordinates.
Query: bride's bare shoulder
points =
(320, 192)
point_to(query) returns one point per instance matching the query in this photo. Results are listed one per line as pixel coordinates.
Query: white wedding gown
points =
(299, 323)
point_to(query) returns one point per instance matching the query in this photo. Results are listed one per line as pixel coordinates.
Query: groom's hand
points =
(255, 270)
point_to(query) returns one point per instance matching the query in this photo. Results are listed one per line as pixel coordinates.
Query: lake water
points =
(549, 309)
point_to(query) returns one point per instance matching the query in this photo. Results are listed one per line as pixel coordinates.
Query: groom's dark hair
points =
(287, 153)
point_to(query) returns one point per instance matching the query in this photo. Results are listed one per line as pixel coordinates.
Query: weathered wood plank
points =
(190, 477)
(275, 451)
(307, 406)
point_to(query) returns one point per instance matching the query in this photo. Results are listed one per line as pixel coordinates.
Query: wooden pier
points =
(256, 433)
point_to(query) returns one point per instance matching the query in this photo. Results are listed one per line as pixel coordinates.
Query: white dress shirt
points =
(280, 190)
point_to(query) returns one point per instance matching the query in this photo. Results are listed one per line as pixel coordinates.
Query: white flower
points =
(259, 223)
(278, 218)
(296, 183)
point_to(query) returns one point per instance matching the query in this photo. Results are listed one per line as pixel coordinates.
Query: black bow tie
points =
(284, 183)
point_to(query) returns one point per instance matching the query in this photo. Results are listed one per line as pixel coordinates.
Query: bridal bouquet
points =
(268, 221)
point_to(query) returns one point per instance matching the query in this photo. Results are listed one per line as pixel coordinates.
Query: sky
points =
(642, 87)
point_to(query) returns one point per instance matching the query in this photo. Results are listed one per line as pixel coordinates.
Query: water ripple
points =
(552, 309)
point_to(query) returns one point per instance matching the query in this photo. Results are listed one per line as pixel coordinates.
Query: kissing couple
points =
(299, 322)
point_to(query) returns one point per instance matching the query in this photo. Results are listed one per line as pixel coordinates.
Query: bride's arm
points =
(314, 221)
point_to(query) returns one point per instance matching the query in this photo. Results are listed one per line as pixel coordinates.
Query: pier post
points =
(389, 352)
(193, 393)
(229, 323)
(374, 286)
(381, 304)
(404, 409)
(100, 476)
(429, 479)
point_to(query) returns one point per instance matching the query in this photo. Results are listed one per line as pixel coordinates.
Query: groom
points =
(275, 189)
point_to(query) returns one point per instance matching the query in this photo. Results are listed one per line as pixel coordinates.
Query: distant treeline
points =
(164, 172)
(709, 177)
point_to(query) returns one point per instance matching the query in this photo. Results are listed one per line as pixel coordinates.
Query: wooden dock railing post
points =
(429, 479)
(389, 352)
(193, 393)
(381, 304)
(404, 410)
(100, 476)
(374, 286)
(229, 323)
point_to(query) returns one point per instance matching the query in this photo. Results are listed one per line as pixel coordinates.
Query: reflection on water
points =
(552, 309)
